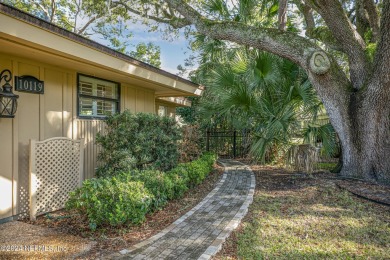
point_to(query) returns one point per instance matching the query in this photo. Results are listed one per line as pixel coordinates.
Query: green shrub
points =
(196, 171)
(111, 201)
(138, 141)
(157, 183)
(129, 196)
(180, 179)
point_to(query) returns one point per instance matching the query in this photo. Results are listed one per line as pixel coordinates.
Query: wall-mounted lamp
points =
(8, 100)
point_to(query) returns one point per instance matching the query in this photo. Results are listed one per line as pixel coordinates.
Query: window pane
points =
(105, 107)
(106, 91)
(86, 88)
(93, 93)
(86, 107)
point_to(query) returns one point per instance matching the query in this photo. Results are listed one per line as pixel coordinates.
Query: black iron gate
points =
(228, 144)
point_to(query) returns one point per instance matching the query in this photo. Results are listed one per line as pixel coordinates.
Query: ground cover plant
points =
(295, 216)
(128, 196)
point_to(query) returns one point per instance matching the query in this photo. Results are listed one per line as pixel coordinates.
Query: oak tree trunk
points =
(364, 132)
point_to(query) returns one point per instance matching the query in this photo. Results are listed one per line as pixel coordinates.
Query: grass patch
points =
(329, 166)
(307, 218)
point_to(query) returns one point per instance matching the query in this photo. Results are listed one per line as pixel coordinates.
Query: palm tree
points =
(249, 89)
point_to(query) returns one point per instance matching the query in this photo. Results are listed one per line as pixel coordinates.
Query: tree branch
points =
(284, 44)
(78, 6)
(373, 18)
(381, 71)
(321, 34)
(346, 35)
(362, 23)
(282, 14)
(307, 12)
(173, 21)
(47, 14)
(93, 19)
(53, 10)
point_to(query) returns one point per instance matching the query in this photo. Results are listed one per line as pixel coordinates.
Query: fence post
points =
(234, 143)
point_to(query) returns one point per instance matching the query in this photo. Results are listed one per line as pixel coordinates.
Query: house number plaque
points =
(29, 84)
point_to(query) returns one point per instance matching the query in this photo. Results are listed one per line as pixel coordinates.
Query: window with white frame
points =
(97, 98)
(162, 110)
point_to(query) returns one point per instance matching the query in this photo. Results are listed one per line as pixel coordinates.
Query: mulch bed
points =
(113, 239)
(374, 192)
(366, 190)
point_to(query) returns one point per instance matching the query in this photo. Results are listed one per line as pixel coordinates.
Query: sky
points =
(172, 52)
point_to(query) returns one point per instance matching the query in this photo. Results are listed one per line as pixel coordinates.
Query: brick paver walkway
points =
(200, 233)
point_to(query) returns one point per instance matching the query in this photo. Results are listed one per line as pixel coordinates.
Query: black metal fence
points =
(228, 144)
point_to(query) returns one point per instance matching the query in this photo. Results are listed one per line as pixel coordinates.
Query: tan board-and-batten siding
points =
(52, 114)
(87, 129)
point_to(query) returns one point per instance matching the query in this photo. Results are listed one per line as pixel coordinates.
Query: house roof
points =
(58, 46)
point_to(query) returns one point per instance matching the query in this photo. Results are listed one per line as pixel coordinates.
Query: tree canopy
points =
(108, 20)
(342, 45)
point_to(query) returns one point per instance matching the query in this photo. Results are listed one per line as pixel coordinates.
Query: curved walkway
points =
(200, 233)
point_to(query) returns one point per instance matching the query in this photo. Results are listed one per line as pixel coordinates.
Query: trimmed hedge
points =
(111, 201)
(196, 171)
(158, 183)
(179, 177)
(128, 197)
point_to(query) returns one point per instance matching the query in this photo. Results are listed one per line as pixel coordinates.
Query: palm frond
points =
(325, 135)
(218, 7)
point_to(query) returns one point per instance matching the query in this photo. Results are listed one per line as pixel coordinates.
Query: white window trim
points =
(94, 97)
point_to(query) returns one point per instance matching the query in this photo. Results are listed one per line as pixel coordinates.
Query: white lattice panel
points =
(56, 168)
(23, 196)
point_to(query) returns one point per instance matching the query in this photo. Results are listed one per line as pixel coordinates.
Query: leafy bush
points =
(180, 179)
(129, 196)
(157, 183)
(196, 171)
(138, 141)
(111, 201)
(191, 143)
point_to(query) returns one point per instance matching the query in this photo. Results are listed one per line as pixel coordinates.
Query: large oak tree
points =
(356, 93)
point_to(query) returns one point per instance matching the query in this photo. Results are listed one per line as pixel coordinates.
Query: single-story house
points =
(67, 85)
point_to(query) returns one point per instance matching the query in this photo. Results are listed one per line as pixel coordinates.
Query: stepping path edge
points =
(216, 245)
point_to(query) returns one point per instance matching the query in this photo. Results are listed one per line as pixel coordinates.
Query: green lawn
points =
(304, 218)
